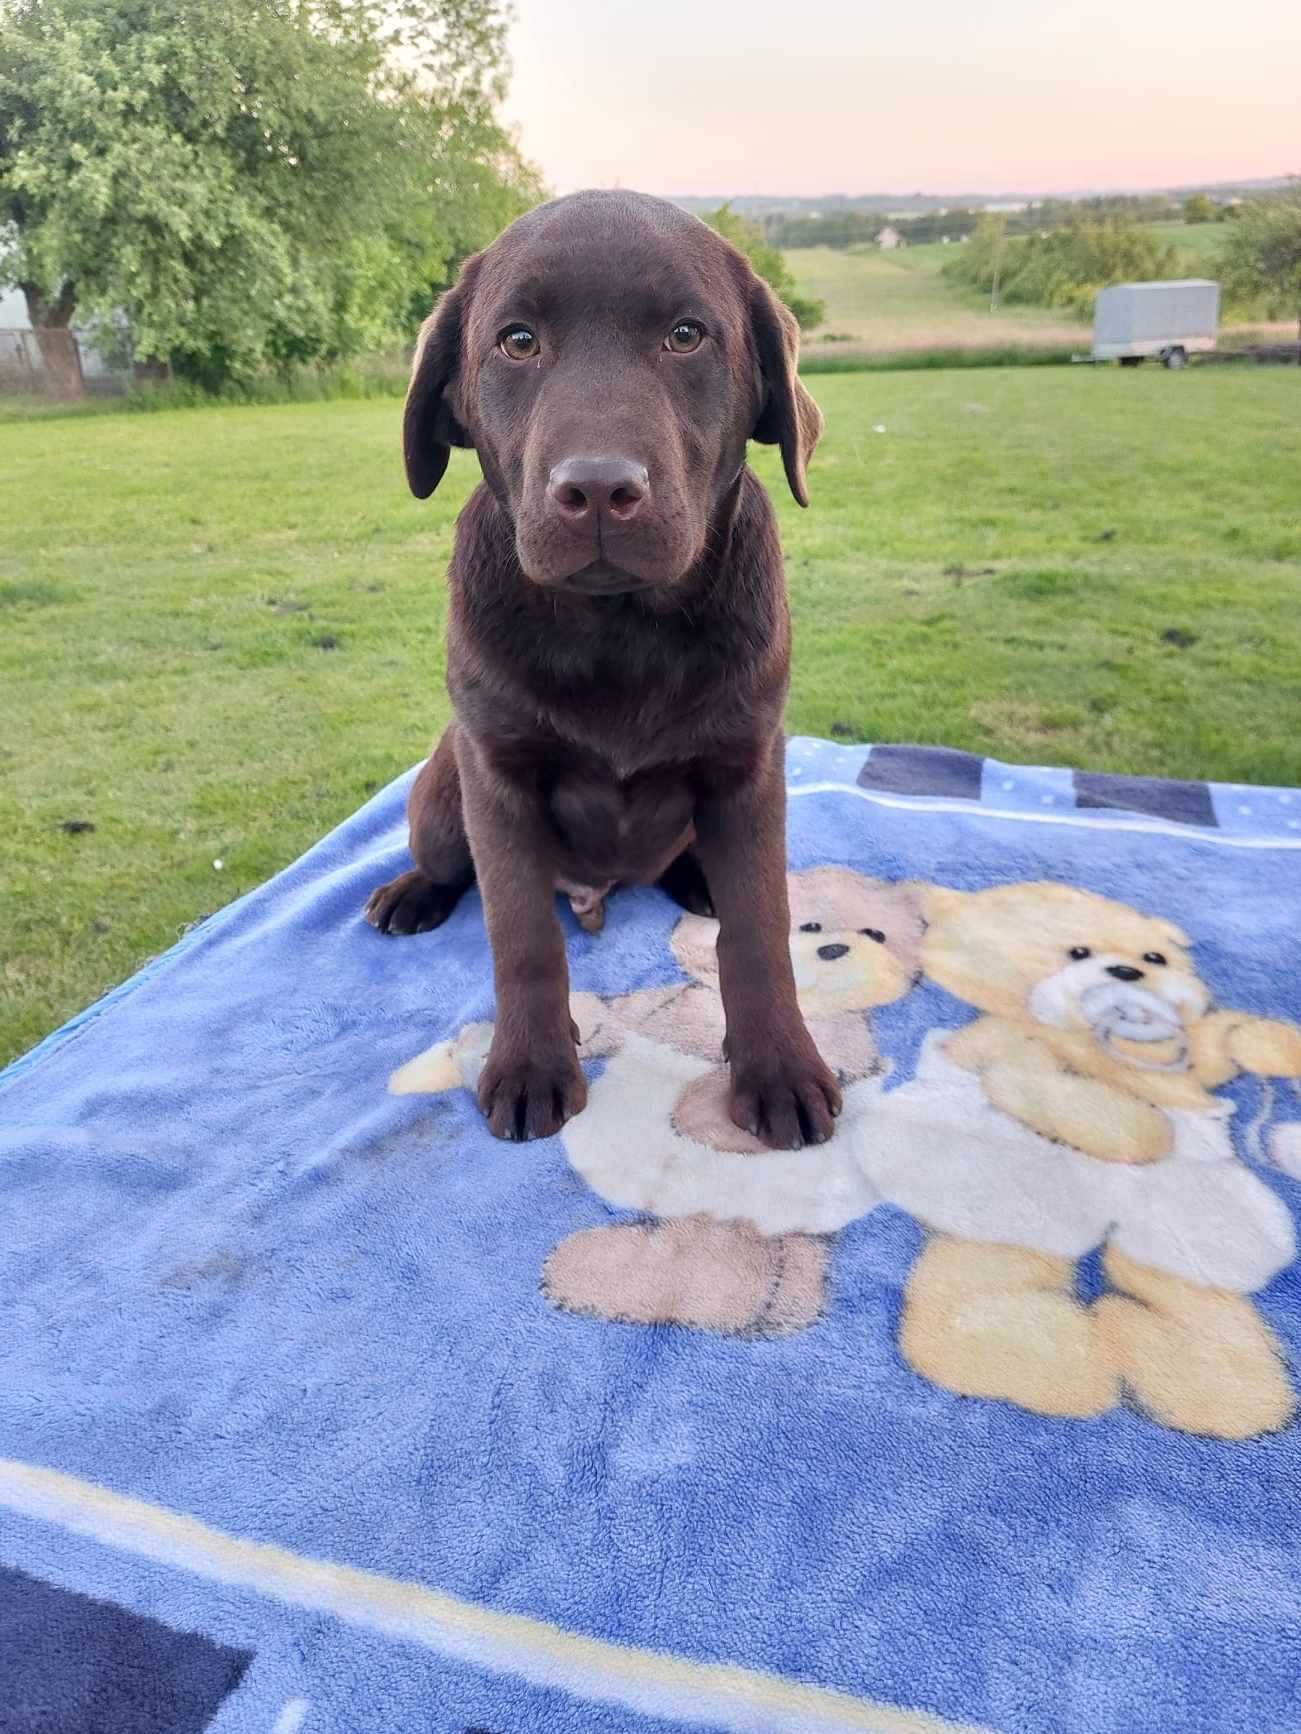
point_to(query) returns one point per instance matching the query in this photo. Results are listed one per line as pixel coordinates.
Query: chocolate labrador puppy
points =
(619, 637)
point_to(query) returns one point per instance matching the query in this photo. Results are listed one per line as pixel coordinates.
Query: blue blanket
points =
(321, 1410)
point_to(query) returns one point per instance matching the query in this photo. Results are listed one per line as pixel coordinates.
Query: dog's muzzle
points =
(1119, 1012)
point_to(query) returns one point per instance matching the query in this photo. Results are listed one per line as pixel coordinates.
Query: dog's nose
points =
(612, 487)
(1124, 972)
(829, 953)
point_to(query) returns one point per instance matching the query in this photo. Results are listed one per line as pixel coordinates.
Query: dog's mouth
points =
(600, 578)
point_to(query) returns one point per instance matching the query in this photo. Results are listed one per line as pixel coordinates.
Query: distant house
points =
(889, 239)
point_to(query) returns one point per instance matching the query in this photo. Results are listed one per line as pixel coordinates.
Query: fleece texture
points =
(321, 1410)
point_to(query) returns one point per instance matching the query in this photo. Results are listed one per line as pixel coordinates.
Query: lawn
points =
(1198, 244)
(890, 302)
(895, 302)
(222, 628)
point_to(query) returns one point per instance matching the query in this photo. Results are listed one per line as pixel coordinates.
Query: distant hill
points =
(763, 205)
(836, 204)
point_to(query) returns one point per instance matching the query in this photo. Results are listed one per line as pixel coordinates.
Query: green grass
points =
(893, 303)
(220, 632)
(1198, 244)
(889, 308)
(831, 358)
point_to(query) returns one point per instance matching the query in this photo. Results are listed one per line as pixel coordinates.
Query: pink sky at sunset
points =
(827, 96)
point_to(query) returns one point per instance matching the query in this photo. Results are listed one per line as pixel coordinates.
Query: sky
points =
(818, 96)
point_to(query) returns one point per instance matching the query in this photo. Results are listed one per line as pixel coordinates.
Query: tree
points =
(980, 262)
(1261, 256)
(768, 263)
(1198, 208)
(268, 181)
(1065, 268)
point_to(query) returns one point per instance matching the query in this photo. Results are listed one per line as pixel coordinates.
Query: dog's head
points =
(855, 942)
(608, 357)
(1057, 956)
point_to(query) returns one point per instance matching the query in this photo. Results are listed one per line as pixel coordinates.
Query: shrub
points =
(768, 262)
(1065, 268)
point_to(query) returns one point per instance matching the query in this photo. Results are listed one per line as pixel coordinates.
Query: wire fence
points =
(51, 362)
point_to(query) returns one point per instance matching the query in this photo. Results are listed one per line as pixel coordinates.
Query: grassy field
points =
(222, 629)
(1198, 243)
(894, 303)
(899, 301)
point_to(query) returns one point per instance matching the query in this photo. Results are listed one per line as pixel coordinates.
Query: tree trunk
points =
(51, 321)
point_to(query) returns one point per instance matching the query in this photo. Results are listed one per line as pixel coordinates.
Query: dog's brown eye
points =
(519, 343)
(1157, 957)
(873, 933)
(811, 927)
(1078, 953)
(685, 336)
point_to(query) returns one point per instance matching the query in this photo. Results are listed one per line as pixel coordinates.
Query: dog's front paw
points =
(411, 903)
(532, 1094)
(786, 1097)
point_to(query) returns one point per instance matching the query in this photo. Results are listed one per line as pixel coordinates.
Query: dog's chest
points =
(614, 828)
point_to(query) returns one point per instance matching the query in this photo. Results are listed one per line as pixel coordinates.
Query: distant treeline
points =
(1062, 267)
(843, 229)
(852, 228)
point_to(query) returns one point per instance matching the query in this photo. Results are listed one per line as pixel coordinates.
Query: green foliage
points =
(262, 184)
(768, 263)
(844, 229)
(1260, 261)
(850, 227)
(834, 229)
(1129, 207)
(1200, 209)
(1064, 268)
(981, 260)
(949, 225)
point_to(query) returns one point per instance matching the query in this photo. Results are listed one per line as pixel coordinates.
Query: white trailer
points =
(1171, 320)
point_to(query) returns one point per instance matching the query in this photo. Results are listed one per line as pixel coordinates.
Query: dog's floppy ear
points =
(429, 423)
(788, 416)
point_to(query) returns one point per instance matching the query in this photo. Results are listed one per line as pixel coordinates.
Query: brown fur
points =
(618, 674)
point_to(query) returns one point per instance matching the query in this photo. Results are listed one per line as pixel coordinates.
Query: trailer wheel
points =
(1176, 357)
(1131, 361)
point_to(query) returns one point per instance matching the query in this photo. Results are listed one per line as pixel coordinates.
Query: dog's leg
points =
(684, 881)
(782, 1092)
(531, 1082)
(424, 897)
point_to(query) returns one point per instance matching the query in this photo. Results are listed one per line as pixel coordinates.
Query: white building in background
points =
(889, 239)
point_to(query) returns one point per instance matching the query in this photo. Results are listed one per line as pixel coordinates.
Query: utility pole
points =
(998, 266)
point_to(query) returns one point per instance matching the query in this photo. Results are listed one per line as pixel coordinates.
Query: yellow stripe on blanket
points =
(649, 1682)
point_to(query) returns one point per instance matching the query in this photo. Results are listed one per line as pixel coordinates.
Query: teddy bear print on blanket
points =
(1077, 1113)
(733, 1234)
